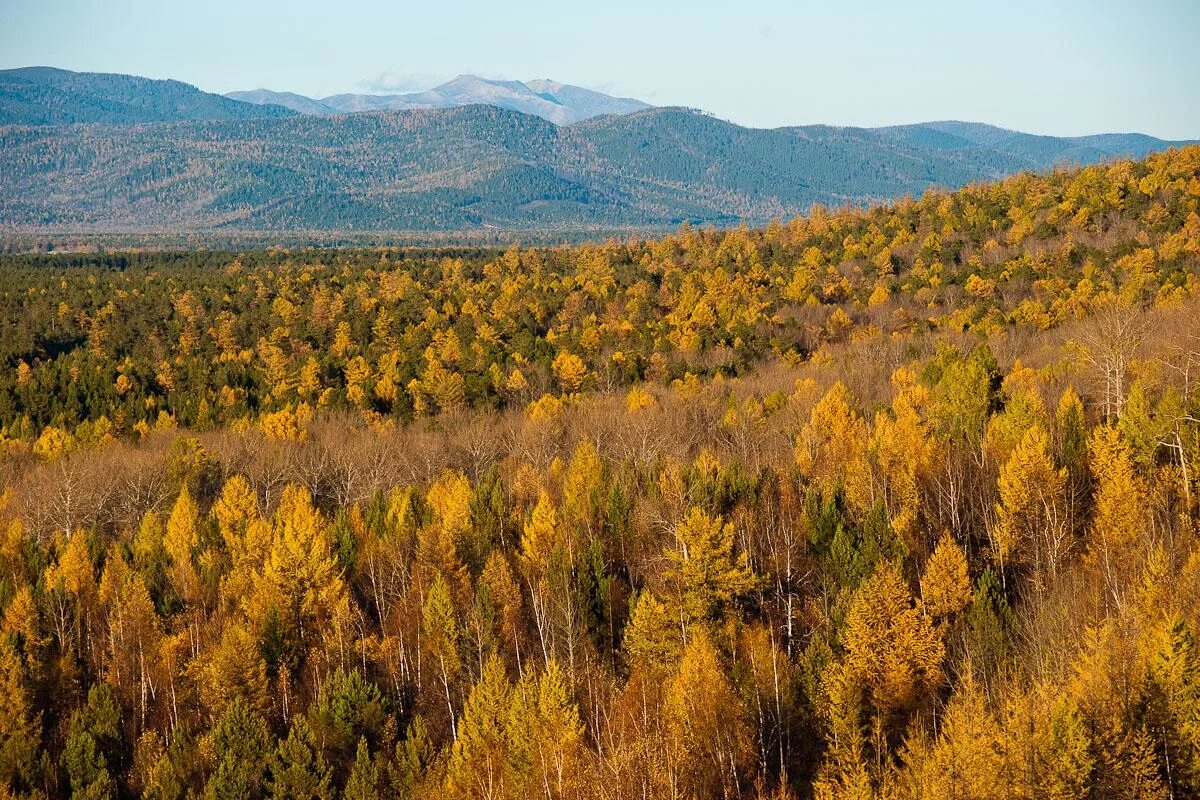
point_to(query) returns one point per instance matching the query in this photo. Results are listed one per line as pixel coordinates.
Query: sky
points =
(1061, 67)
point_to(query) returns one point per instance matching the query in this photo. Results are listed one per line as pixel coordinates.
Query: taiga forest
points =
(886, 501)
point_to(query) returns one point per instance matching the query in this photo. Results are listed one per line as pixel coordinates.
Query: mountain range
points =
(172, 159)
(559, 103)
(50, 96)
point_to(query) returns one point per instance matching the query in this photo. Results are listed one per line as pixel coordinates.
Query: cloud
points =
(396, 81)
(607, 87)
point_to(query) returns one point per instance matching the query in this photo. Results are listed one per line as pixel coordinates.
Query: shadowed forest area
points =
(895, 502)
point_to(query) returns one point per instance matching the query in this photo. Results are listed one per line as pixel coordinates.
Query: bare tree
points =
(1111, 339)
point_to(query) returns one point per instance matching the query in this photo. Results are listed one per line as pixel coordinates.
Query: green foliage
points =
(299, 770)
(347, 708)
(989, 623)
(966, 390)
(363, 783)
(854, 553)
(344, 545)
(91, 754)
(19, 723)
(242, 747)
(413, 756)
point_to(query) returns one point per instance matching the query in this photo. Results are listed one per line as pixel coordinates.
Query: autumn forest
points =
(889, 502)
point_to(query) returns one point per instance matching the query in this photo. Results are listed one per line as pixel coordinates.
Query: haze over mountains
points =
(50, 96)
(164, 156)
(559, 103)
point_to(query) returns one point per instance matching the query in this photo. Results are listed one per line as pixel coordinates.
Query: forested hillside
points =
(479, 168)
(49, 96)
(891, 502)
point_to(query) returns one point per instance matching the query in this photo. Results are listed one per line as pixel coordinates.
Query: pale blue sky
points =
(1047, 66)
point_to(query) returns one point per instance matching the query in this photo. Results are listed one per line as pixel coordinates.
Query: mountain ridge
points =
(134, 156)
(53, 96)
(49, 96)
(469, 168)
(560, 103)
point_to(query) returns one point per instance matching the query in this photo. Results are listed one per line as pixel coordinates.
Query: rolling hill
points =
(89, 152)
(479, 167)
(49, 96)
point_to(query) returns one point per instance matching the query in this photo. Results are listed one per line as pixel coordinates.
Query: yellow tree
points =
(450, 498)
(181, 542)
(439, 626)
(134, 636)
(445, 386)
(478, 765)
(20, 723)
(1072, 435)
(1118, 524)
(1063, 763)
(570, 371)
(831, 449)
(277, 367)
(502, 588)
(343, 342)
(72, 590)
(438, 545)
(308, 384)
(652, 640)
(234, 669)
(542, 535)
(300, 584)
(547, 556)
(357, 373)
(903, 451)
(21, 622)
(1030, 517)
(560, 750)
(1109, 682)
(545, 737)
(236, 509)
(708, 734)
(945, 584)
(639, 399)
(843, 774)
(516, 383)
(704, 573)
(582, 486)
(767, 682)
(1023, 409)
(969, 759)
(892, 649)
(1174, 702)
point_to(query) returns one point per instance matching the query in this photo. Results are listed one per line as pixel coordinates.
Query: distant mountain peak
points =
(560, 103)
(290, 100)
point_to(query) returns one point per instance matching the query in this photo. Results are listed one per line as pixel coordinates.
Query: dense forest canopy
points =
(896, 502)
